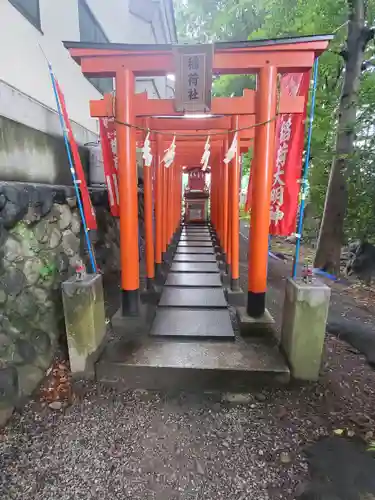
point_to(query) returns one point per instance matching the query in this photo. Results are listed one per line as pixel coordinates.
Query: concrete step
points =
(195, 243)
(194, 280)
(192, 323)
(194, 267)
(193, 297)
(195, 249)
(156, 364)
(205, 234)
(194, 257)
(195, 238)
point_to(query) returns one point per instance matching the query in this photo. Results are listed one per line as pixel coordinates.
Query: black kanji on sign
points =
(193, 63)
(193, 94)
(193, 79)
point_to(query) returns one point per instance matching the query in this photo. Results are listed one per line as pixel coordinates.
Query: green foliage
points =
(214, 20)
(246, 162)
(243, 214)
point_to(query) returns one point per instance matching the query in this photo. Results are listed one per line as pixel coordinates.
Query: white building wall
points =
(26, 94)
(24, 67)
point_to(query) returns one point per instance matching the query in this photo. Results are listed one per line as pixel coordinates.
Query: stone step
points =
(192, 323)
(202, 227)
(199, 234)
(194, 267)
(193, 297)
(195, 238)
(194, 280)
(199, 250)
(194, 257)
(177, 365)
(194, 243)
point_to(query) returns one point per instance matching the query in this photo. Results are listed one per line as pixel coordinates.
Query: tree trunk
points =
(331, 233)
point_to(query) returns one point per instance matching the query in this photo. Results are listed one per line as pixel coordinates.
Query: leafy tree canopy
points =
(218, 20)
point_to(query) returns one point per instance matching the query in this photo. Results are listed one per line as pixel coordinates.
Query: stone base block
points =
(160, 275)
(303, 326)
(235, 297)
(168, 255)
(253, 327)
(85, 322)
(222, 265)
(225, 279)
(151, 295)
(131, 328)
(172, 248)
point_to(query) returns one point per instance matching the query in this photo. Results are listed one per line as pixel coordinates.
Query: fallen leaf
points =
(55, 405)
(285, 457)
(338, 432)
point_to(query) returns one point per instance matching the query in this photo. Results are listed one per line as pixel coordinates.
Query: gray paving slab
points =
(195, 235)
(193, 297)
(195, 238)
(194, 257)
(195, 243)
(192, 323)
(194, 267)
(195, 225)
(255, 357)
(207, 250)
(193, 280)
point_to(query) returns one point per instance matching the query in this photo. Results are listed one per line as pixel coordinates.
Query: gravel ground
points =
(138, 445)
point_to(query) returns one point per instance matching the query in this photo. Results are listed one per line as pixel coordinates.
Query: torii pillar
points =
(127, 167)
(262, 175)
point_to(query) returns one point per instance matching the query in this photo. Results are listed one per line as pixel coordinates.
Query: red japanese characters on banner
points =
(80, 175)
(110, 162)
(288, 161)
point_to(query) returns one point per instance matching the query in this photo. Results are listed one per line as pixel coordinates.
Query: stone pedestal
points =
(85, 322)
(235, 297)
(130, 328)
(254, 327)
(303, 326)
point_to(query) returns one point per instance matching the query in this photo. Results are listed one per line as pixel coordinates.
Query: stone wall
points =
(29, 155)
(41, 240)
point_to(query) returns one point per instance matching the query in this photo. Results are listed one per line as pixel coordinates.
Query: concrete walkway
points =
(189, 306)
(192, 344)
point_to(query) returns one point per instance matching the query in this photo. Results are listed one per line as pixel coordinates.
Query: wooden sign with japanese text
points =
(197, 180)
(193, 78)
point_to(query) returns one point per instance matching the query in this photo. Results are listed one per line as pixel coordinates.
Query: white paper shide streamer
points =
(232, 151)
(146, 150)
(170, 154)
(206, 155)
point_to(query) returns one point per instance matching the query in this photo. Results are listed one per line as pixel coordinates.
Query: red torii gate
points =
(266, 58)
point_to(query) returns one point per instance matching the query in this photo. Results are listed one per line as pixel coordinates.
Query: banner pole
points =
(305, 171)
(72, 170)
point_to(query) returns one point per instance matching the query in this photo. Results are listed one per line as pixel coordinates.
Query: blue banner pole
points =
(305, 171)
(72, 170)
